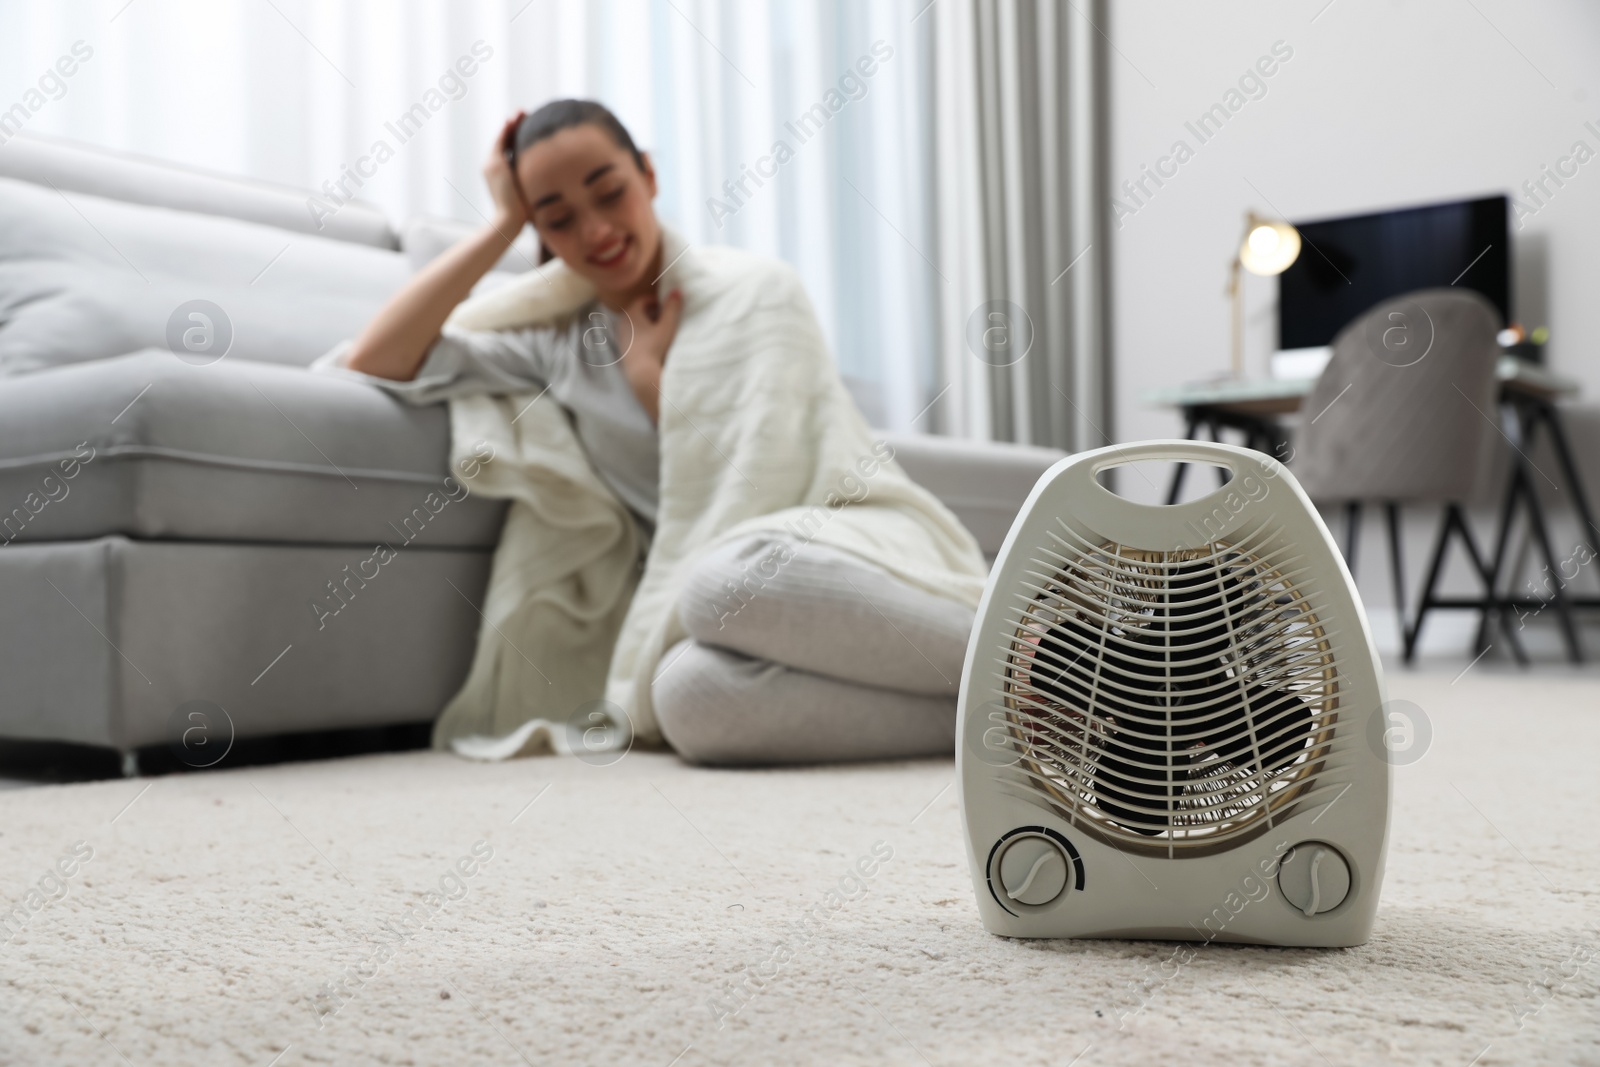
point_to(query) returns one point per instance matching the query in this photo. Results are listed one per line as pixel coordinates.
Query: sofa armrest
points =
(984, 482)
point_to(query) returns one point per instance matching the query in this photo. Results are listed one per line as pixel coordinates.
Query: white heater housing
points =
(1163, 727)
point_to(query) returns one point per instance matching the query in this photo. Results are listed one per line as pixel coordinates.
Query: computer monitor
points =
(1347, 265)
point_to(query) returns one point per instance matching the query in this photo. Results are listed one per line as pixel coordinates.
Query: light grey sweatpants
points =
(802, 653)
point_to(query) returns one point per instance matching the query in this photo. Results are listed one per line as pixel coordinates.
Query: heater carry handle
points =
(1243, 464)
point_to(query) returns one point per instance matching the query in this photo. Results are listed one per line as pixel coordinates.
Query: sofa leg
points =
(130, 763)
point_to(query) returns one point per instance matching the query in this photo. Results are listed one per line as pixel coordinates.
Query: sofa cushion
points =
(83, 278)
(150, 446)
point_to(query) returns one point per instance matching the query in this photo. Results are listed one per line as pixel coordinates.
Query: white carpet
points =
(628, 898)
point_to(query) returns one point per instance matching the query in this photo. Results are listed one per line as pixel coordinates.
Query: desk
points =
(1528, 391)
(1265, 398)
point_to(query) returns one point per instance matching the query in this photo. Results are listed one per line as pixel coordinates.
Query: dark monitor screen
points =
(1348, 265)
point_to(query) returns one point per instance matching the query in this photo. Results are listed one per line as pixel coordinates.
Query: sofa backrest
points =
(70, 290)
(984, 482)
(101, 256)
(73, 167)
(424, 237)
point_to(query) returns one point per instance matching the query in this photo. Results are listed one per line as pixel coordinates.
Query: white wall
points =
(1383, 103)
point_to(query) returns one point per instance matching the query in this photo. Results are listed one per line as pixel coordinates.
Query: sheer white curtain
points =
(797, 128)
(1022, 241)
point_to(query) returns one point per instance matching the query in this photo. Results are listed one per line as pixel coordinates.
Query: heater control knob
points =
(1314, 878)
(1033, 870)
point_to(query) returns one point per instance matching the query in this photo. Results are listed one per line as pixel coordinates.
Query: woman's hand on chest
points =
(644, 333)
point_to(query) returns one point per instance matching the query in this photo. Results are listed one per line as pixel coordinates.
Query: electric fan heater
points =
(1164, 712)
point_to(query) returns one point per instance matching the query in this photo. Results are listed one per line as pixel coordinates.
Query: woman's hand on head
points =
(645, 333)
(511, 212)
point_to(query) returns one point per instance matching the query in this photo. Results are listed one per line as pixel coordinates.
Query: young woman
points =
(828, 655)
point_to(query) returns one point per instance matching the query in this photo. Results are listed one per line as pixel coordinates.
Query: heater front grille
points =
(1168, 701)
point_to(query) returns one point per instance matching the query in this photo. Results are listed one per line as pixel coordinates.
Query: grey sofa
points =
(183, 506)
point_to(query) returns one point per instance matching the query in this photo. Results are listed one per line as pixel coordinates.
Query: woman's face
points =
(591, 204)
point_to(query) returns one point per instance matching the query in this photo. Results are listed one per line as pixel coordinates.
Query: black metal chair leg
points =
(1191, 423)
(1352, 534)
(1435, 565)
(1216, 435)
(1569, 628)
(1492, 603)
(1558, 438)
(1282, 447)
(1397, 567)
(1508, 507)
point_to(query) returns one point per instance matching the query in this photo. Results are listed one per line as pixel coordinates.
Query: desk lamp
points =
(1269, 246)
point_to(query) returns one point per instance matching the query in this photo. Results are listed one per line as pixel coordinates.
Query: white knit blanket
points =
(757, 433)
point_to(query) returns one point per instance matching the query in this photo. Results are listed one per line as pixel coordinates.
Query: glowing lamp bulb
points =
(1264, 240)
(1269, 246)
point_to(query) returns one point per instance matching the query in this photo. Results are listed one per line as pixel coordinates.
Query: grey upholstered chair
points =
(1404, 413)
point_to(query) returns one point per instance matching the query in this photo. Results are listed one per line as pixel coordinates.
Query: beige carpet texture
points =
(418, 909)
